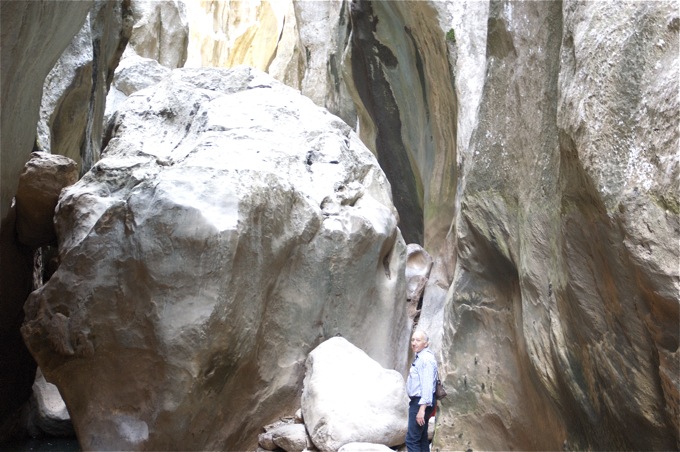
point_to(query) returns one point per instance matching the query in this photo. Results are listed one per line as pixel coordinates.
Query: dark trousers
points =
(416, 436)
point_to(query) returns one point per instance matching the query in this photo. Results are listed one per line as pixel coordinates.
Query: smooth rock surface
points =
(562, 323)
(348, 397)
(418, 266)
(291, 438)
(228, 34)
(160, 31)
(364, 447)
(231, 226)
(50, 416)
(75, 91)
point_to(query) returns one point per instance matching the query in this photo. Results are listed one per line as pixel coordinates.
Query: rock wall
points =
(226, 34)
(32, 36)
(74, 94)
(563, 314)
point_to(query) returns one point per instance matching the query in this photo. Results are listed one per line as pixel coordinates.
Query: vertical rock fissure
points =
(369, 56)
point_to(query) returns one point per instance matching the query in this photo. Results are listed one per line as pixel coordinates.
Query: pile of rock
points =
(349, 403)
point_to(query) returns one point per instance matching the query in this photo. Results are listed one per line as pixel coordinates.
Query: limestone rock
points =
(132, 74)
(348, 397)
(418, 266)
(44, 176)
(50, 415)
(33, 35)
(41, 29)
(75, 90)
(291, 437)
(265, 440)
(323, 32)
(198, 268)
(160, 31)
(395, 57)
(64, 103)
(364, 447)
(228, 34)
(563, 316)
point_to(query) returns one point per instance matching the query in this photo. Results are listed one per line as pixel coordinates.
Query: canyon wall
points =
(563, 314)
(32, 37)
(532, 150)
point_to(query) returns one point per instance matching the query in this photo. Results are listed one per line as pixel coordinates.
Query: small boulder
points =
(40, 184)
(365, 447)
(348, 397)
(291, 437)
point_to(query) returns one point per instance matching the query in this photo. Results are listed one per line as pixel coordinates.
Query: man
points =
(420, 387)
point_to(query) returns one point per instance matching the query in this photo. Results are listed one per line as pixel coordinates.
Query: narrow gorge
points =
(197, 196)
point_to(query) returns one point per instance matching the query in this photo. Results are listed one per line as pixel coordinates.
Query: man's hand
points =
(420, 417)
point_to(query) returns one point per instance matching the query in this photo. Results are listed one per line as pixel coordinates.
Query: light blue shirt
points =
(422, 377)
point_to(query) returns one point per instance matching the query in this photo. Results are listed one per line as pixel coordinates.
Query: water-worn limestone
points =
(562, 322)
(349, 398)
(230, 227)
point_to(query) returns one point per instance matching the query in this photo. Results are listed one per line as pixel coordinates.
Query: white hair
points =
(423, 334)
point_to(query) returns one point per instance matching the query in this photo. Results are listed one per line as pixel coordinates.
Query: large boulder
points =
(132, 74)
(230, 227)
(349, 398)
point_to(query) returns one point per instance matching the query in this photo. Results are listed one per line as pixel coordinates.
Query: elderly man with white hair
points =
(420, 386)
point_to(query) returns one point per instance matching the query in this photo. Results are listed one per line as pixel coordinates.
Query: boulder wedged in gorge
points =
(561, 325)
(41, 182)
(348, 398)
(230, 227)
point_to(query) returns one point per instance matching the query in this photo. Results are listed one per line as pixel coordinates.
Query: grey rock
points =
(348, 397)
(195, 250)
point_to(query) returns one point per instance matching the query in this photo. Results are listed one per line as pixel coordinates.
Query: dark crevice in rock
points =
(368, 58)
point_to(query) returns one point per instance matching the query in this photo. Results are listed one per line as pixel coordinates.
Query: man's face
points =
(418, 342)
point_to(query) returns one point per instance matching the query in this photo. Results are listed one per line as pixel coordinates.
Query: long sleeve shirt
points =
(422, 377)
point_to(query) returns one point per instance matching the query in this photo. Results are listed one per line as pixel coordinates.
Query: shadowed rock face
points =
(562, 320)
(231, 226)
(33, 36)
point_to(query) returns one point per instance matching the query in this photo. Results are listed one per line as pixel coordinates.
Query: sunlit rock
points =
(50, 415)
(160, 31)
(349, 398)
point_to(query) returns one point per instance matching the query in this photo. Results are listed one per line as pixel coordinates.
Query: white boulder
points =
(365, 447)
(348, 397)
